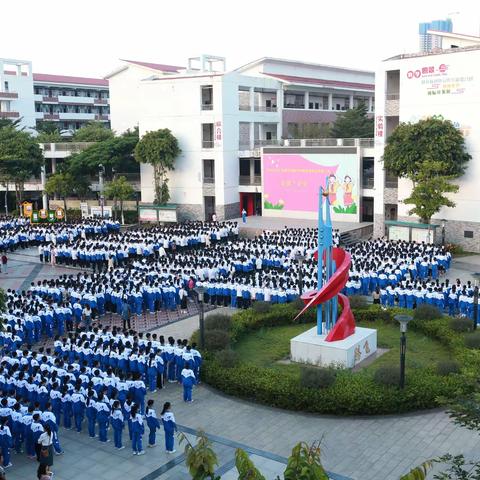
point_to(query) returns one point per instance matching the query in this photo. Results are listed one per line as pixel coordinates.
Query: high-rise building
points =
(428, 40)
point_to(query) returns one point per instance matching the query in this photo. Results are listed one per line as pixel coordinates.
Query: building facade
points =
(32, 97)
(427, 32)
(222, 120)
(446, 84)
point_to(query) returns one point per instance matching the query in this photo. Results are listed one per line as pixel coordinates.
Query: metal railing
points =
(209, 180)
(262, 108)
(309, 142)
(72, 147)
(9, 114)
(50, 99)
(248, 180)
(8, 95)
(207, 106)
(294, 105)
(207, 143)
(266, 143)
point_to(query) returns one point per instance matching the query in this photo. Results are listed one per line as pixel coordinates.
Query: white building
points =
(444, 83)
(223, 118)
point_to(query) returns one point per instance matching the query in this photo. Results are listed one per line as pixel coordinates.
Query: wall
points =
(305, 116)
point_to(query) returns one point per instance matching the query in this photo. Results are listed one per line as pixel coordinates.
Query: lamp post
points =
(444, 223)
(475, 305)
(101, 172)
(300, 258)
(403, 320)
(200, 291)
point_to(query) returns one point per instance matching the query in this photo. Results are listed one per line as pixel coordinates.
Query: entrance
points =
(251, 202)
(367, 209)
(209, 203)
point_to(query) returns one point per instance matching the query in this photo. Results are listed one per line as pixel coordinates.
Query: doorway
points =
(367, 209)
(209, 203)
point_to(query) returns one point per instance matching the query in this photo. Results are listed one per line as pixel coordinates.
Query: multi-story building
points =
(428, 33)
(410, 87)
(70, 101)
(222, 120)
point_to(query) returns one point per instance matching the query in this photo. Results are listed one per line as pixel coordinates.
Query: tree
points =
(200, 458)
(119, 190)
(45, 126)
(114, 154)
(62, 184)
(245, 467)
(304, 463)
(354, 123)
(430, 153)
(53, 137)
(20, 158)
(5, 122)
(159, 149)
(92, 132)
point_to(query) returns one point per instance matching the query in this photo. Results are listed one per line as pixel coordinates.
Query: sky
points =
(88, 37)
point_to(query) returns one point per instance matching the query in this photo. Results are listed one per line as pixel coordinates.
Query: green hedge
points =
(351, 393)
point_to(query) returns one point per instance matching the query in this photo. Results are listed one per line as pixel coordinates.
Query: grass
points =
(269, 345)
(350, 209)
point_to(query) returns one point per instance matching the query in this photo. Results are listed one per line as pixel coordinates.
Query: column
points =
(330, 101)
(43, 180)
(351, 101)
(251, 135)
(279, 100)
(252, 98)
(279, 133)
(306, 100)
(370, 104)
(252, 171)
(54, 160)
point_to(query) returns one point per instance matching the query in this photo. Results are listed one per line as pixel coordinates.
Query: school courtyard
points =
(374, 448)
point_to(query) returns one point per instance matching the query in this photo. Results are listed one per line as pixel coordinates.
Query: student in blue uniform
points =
(91, 413)
(78, 407)
(170, 427)
(67, 408)
(188, 381)
(117, 422)
(5, 442)
(103, 415)
(152, 373)
(137, 431)
(153, 423)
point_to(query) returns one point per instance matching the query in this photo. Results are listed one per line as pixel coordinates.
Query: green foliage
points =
(316, 377)
(228, 358)
(218, 321)
(354, 123)
(357, 301)
(92, 132)
(388, 375)
(426, 312)
(120, 190)
(159, 149)
(447, 367)
(304, 463)
(261, 307)
(430, 153)
(5, 122)
(458, 468)
(472, 340)
(465, 411)
(418, 473)
(245, 467)
(20, 158)
(62, 184)
(53, 137)
(200, 459)
(216, 340)
(46, 127)
(461, 324)
(310, 130)
(3, 300)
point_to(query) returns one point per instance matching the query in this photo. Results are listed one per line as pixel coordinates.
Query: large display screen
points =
(291, 182)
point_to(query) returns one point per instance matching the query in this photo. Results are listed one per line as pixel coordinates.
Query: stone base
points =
(312, 349)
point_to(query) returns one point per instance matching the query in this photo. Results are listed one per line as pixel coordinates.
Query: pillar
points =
(370, 104)
(252, 98)
(306, 100)
(351, 101)
(252, 171)
(251, 136)
(280, 100)
(330, 101)
(43, 181)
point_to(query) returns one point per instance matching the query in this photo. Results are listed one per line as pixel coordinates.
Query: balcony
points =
(208, 143)
(104, 118)
(207, 106)
(8, 95)
(50, 99)
(368, 182)
(244, 107)
(266, 143)
(51, 116)
(209, 180)
(392, 104)
(9, 115)
(248, 180)
(262, 108)
(100, 101)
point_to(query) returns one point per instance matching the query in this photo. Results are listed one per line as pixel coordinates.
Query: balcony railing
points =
(310, 142)
(392, 96)
(207, 106)
(101, 117)
(368, 182)
(8, 95)
(209, 180)
(9, 115)
(294, 105)
(262, 108)
(100, 101)
(248, 180)
(51, 116)
(265, 143)
(72, 147)
(391, 183)
(244, 107)
(50, 99)
(207, 143)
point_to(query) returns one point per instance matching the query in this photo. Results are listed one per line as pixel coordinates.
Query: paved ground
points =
(370, 448)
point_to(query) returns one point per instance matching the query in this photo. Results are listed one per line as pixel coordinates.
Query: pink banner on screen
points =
(291, 182)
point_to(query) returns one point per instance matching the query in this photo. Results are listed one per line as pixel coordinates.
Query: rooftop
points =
(61, 79)
(433, 52)
(321, 82)
(155, 66)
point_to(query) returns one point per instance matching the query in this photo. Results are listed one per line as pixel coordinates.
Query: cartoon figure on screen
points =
(332, 189)
(347, 189)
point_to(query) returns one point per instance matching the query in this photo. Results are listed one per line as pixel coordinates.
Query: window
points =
(391, 180)
(209, 171)
(207, 97)
(367, 172)
(244, 167)
(207, 135)
(6, 86)
(468, 234)
(243, 98)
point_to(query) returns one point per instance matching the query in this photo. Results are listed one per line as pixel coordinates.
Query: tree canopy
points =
(159, 149)
(430, 153)
(119, 190)
(92, 132)
(354, 123)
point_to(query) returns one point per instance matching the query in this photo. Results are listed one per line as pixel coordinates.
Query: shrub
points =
(387, 375)
(447, 367)
(218, 321)
(298, 304)
(472, 340)
(262, 307)
(358, 301)
(228, 358)
(316, 377)
(426, 312)
(461, 324)
(216, 340)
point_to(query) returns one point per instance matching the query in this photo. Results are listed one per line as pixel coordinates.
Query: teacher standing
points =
(45, 442)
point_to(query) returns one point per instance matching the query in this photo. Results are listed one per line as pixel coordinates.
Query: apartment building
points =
(223, 118)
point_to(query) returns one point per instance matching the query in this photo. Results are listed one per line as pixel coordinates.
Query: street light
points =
(200, 291)
(300, 258)
(403, 320)
(444, 223)
(475, 305)
(101, 172)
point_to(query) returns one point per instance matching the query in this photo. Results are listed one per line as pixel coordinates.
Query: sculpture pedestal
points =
(312, 349)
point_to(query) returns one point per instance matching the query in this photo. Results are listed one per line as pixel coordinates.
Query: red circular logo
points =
(409, 74)
(442, 68)
(418, 73)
